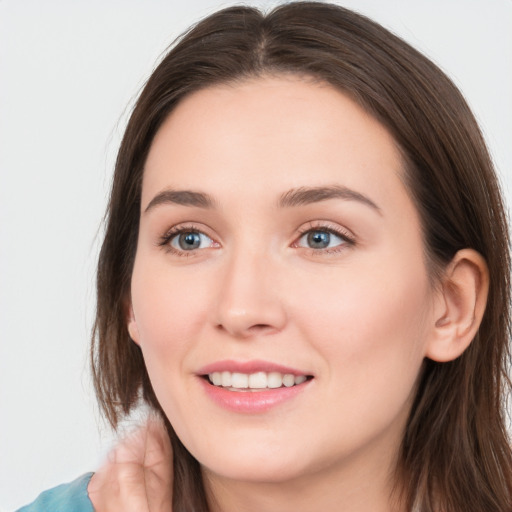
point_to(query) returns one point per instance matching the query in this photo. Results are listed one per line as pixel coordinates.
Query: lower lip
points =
(251, 402)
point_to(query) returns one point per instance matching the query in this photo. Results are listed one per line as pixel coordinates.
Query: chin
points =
(254, 472)
(252, 463)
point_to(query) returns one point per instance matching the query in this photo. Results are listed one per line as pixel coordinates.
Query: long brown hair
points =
(455, 454)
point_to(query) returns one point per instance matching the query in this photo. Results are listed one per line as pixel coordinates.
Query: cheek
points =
(373, 323)
(370, 331)
(170, 313)
(167, 308)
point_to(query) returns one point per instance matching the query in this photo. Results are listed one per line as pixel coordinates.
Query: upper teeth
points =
(258, 380)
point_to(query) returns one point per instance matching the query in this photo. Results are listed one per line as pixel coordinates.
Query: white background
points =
(68, 71)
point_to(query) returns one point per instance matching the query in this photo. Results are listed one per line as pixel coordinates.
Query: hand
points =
(138, 474)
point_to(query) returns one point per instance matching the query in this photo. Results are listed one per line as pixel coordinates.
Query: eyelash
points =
(165, 240)
(347, 237)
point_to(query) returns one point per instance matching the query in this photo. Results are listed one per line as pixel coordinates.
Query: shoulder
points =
(71, 497)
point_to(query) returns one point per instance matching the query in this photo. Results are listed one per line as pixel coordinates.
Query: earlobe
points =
(133, 330)
(460, 306)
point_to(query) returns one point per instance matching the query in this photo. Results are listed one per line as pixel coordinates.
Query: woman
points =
(305, 272)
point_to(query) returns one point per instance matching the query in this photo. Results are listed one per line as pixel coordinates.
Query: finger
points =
(118, 487)
(131, 449)
(157, 443)
(119, 483)
(158, 467)
(137, 476)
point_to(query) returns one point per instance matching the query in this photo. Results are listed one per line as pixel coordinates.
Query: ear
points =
(460, 306)
(133, 330)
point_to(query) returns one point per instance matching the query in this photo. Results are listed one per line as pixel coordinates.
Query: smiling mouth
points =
(258, 381)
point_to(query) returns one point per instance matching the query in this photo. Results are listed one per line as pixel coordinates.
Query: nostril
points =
(261, 318)
(247, 332)
(260, 328)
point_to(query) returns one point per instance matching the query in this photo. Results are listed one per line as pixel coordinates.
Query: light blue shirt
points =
(70, 497)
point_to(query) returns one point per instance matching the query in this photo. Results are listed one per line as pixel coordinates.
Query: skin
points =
(137, 476)
(359, 316)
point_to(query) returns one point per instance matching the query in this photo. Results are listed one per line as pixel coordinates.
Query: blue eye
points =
(320, 239)
(190, 240)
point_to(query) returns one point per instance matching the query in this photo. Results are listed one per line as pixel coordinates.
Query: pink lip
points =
(251, 402)
(246, 401)
(248, 367)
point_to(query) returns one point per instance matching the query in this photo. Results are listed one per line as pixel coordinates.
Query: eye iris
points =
(319, 239)
(188, 241)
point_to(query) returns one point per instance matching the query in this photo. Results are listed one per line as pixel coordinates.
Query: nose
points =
(249, 302)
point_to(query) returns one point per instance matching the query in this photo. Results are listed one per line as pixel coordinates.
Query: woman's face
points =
(278, 249)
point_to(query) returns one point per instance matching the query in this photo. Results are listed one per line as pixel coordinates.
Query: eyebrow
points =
(308, 195)
(292, 198)
(181, 197)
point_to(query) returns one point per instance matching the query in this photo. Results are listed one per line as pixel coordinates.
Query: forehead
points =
(265, 135)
